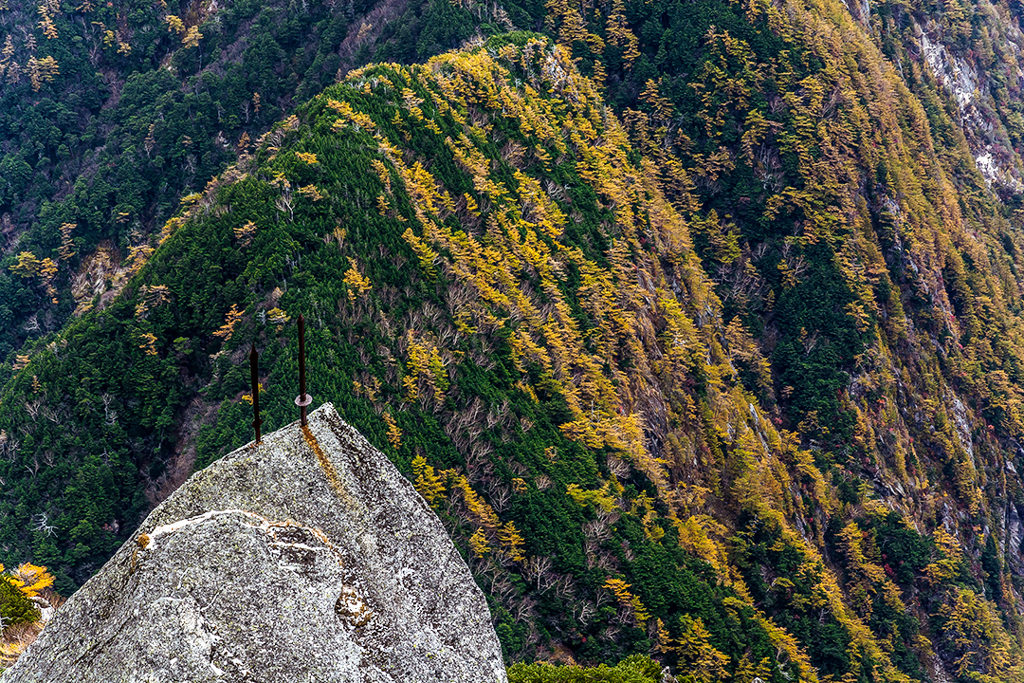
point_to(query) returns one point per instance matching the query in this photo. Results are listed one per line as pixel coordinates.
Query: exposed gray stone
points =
(1015, 536)
(279, 563)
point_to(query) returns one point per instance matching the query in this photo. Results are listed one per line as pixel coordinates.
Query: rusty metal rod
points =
(302, 357)
(254, 376)
(303, 399)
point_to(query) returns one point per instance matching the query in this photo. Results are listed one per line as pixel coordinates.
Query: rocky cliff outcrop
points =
(305, 558)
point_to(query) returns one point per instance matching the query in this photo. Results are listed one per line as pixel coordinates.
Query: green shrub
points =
(635, 669)
(15, 608)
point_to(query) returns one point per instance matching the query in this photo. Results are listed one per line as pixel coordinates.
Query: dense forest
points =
(698, 324)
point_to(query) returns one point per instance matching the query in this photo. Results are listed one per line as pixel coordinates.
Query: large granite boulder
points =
(305, 558)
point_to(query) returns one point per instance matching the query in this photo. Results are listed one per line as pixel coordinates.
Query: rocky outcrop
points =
(305, 558)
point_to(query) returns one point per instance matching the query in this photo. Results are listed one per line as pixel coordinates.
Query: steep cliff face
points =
(970, 54)
(305, 557)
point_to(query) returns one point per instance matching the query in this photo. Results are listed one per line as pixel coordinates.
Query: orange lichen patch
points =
(325, 464)
(352, 609)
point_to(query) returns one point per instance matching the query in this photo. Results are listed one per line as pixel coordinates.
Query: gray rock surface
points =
(306, 558)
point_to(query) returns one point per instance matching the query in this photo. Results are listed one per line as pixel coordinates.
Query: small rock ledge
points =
(306, 558)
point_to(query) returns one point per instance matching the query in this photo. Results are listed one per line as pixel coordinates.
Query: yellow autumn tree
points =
(358, 284)
(312, 192)
(245, 233)
(425, 368)
(147, 342)
(175, 24)
(512, 542)
(67, 245)
(947, 566)
(697, 656)
(191, 37)
(30, 579)
(627, 600)
(478, 543)
(231, 319)
(652, 97)
(429, 485)
(394, 434)
(28, 265)
(620, 35)
(46, 23)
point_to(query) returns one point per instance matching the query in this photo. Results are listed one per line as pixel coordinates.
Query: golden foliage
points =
(28, 265)
(67, 249)
(948, 565)
(192, 37)
(652, 98)
(599, 497)
(425, 369)
(358, 284)
(974, 632)
(647, 299)
(478, 543)
(511, 542)
(627, 600)
(30, 579)
(429, 485)
(231, 318)
(148, 343)
(620, 35)
(311, 192)
(138, 256)
(394, 433)
(150, 298)
(697, 656)
(277, 317)
(46, 22)
(42, 70)
(479, 511)
(245, 233)
(174, 24)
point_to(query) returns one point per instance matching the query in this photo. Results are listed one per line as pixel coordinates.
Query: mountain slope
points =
(287, 204)
(508, 298)
(109, 114)
(729, 330)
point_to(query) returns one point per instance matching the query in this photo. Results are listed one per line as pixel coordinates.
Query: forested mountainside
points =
(110, 113)
(698, 324)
